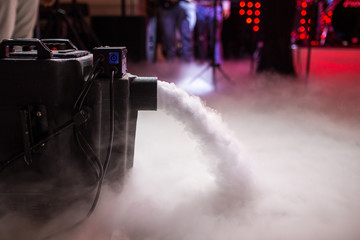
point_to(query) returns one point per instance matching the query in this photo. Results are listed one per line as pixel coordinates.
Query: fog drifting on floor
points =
(302, 144)
(295, 176)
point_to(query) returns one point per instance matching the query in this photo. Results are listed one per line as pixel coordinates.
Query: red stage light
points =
(257, 5)
(330, 13)
(250, 4)
(309, 21)
(304, 4)
(248, 20)
(242, 12)
(302, 21)
(303, 12)
(242, 4)
(257, 12)
(302, 29)
(327, 19)
(256, 28)
(302, 36)
(249, 12)
(256, 20)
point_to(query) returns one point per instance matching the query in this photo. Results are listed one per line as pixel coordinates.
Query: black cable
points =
(106, 162)
(111, 141)
(87, 89)
(87, 85)
(79, 100)
(85, 147)
(89, 152)
(39, 144)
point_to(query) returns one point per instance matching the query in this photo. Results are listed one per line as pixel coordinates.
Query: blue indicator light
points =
(114, 58)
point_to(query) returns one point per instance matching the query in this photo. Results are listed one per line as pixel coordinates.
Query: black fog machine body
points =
(68, 122)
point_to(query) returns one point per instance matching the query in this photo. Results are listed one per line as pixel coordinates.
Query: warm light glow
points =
(302, 29)
(302, 36)
(257, 12)
(327, 19)
(250, 4)
(242, 4)
(303, 13)
(330, 13)
(257, 5)
(256, 20)
(302, 21)
(248, 20)
(309, 21)
(304, 4)
(256, 28)
(249, 12)
(242, 12)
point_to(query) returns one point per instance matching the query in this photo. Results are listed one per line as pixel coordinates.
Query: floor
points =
(299, 153)
(245, 157)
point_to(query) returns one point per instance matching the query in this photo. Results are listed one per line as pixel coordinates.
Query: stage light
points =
(327, 19)
(302, 36)
(330, 13)
(309, 21)
(304, 4)
(303, 13)
(302, 21)
(246, 9)
(302, 29)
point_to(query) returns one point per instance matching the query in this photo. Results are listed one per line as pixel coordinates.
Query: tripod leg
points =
(214, 82)
(225, 75)
(200, 73)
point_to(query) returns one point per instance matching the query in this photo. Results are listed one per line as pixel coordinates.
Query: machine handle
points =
(43, 52)
(66, 42)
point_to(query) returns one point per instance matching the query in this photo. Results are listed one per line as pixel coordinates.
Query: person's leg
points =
(187, 21)
(202, 32)
(168, 23)
(26, 16)
(216, 36)
(7, 18)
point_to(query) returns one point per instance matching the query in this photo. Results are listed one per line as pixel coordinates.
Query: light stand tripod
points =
(312, 33)
(213, 65)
